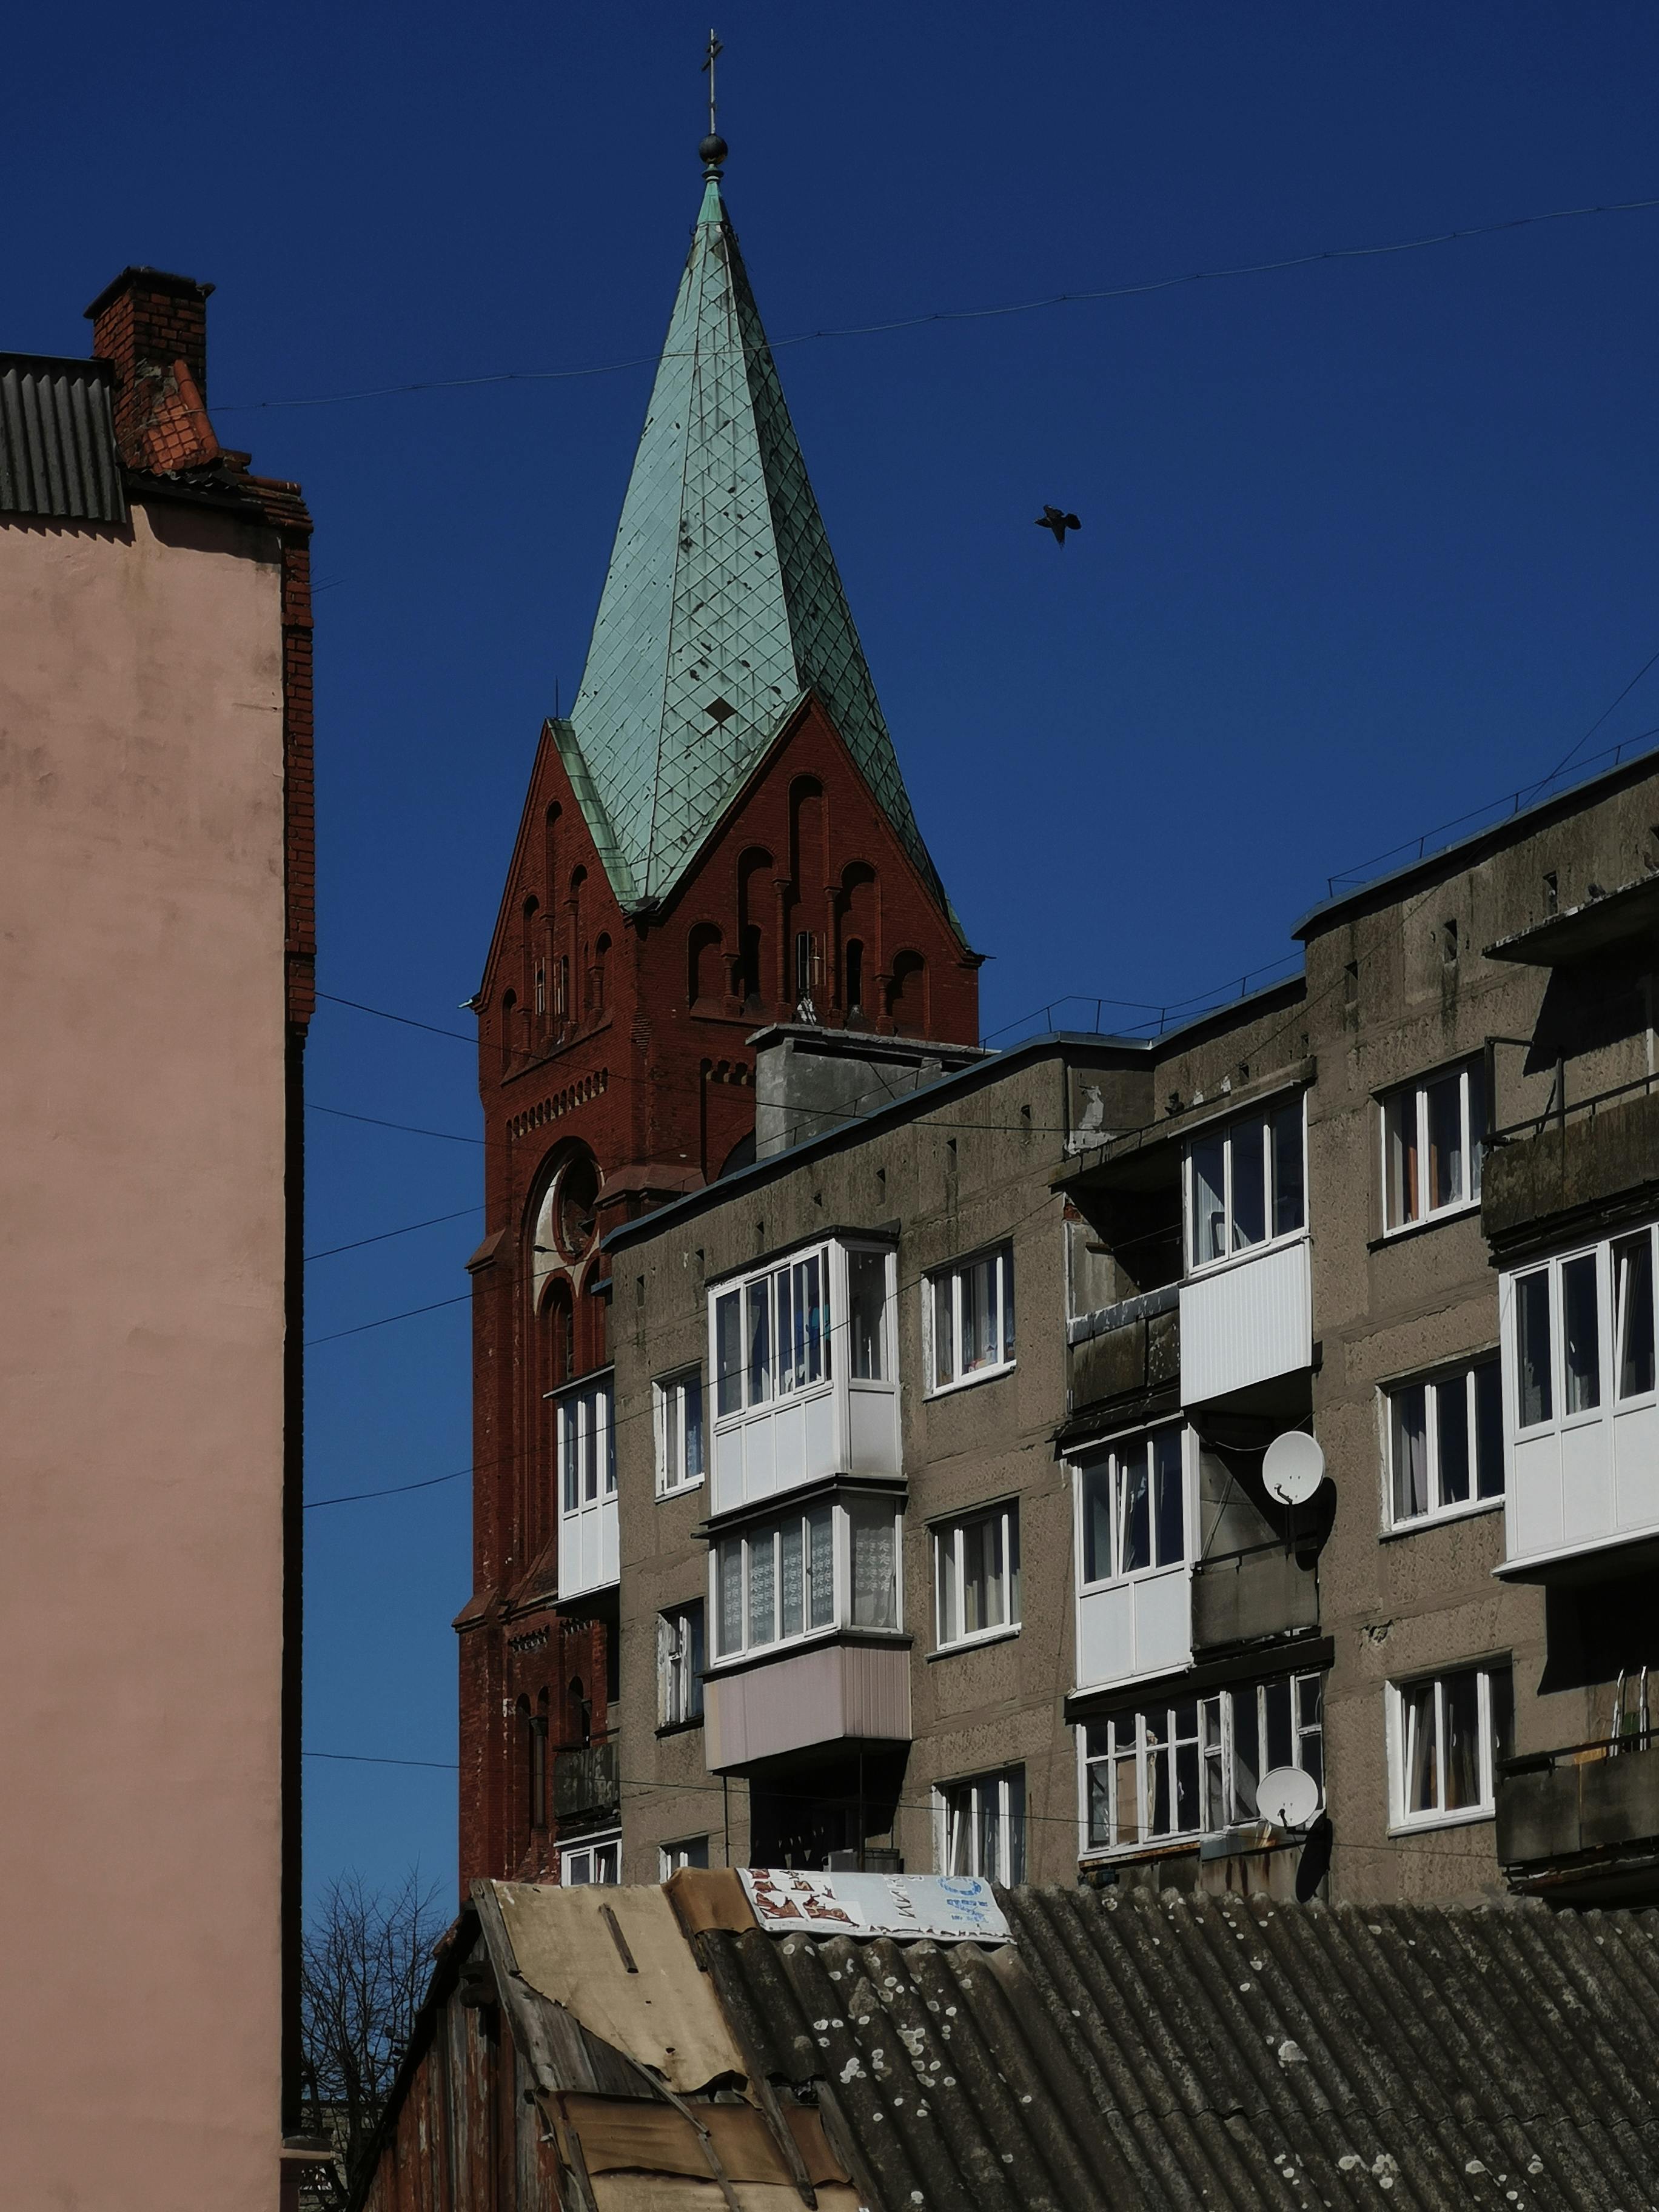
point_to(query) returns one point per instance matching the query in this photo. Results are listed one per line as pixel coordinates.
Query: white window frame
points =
(601, 1857)
(1131, 1740)
(1120, 1456)
(682, 1662)
(586, 1474)
(843, 1598)
(1402, 1820)
(1609, 1320)
(1262, 1117)
(782, 1381)
(671, 1857)
(962, 1819)
(950, 1278)
(1431, 1383)
(668, 1402)
(950, 1548)
(1469, 1073)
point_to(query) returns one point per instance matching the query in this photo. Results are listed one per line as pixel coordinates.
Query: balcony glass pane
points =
(1247, 1767)
(1168, 1499)
(1581, 1327)
(1186, 1769)
(1445, 1119)
(1276, 1702)
(1096, 1522)
(1462, 1740)
(1134, 1527)
(792, 1577)
(728, 1586)
(821, 1565)
(729, 1352)
(988, 1814)
(979, 1316)
(1100, 1785)
(1417, 1728)
(1289, 1203)
(1408, 1452)
(763, 1588)
(568, 1456)
(1632, 1278)
(875, 1587)
(1488, 1429)
(760, 1342)
(866, 1298)
(977, 1590)
(1452, 1418)
(1249, 1184)
(1400, 1158)
(1005, 1273)
(1531, 1331)
(1209, 1226)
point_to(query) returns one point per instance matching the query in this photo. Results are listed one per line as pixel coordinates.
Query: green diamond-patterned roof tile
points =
(722, 594)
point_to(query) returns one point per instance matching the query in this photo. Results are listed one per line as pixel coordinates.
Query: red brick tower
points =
(718, 837)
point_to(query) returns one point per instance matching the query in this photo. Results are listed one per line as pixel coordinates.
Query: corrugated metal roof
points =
(1162, 2050)
(722, 604)
(58, 454)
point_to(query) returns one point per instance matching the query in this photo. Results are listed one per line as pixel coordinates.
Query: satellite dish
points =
(1293, 1467)
(1287, 1797)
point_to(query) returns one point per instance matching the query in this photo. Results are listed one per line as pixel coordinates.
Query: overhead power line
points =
(373, 1121)
(386, 1235)
(407, 1020)
(970, 314)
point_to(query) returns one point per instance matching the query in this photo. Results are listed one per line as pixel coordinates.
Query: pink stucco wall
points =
(141, 1348)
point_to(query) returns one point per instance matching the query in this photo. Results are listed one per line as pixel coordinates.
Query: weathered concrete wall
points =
(141, 1360)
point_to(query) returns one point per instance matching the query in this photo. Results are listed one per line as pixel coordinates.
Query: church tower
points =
(717, 838)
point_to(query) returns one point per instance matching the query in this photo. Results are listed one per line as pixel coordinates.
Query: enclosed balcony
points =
(1247, 1324)
(587, 1488)
(1581, 1409)
(806, 1385)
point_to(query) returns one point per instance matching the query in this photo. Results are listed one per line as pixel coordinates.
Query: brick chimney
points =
(152, 328)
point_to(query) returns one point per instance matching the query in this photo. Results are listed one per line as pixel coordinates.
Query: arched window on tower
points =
(754, 982)
(854, 976)
(703, 981)
(907, 995)
(579, 1714)
(601, 961)
(538, 1777)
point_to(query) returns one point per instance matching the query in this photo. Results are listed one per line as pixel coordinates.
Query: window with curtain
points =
(1190, 1767)
(976, 1575)
(983, 1820)
(1133, 1507)
(1447, 1735)
(1431, 1133)
(971, 1310)
(1445, 1443)
(1246, 1185)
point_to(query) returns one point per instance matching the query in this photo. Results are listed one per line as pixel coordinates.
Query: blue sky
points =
(1365, 544)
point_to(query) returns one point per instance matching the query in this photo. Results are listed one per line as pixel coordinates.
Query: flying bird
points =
(1057, 519)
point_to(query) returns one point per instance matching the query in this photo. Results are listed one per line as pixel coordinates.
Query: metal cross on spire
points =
(716, 50)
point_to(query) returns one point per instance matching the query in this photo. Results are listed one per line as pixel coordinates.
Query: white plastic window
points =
(976, 1576)
(1445, 1444)
(1446, 1734)
(1431, 1133)
(1190, 1767)
(1246, 1186)
(587, 1448)
(679, 1431)
(983, 1822)
(772, 1334)
(971, 1319)
(599, 1861)
(1583, 1329)
(1134, 1508)
(688, 1852)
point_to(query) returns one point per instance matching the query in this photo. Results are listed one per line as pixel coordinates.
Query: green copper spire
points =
(722, 604)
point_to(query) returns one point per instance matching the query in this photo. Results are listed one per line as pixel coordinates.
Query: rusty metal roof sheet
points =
(1165, 2050)
(57, 455)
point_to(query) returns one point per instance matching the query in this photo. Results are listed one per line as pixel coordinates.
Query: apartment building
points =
(940, 1443)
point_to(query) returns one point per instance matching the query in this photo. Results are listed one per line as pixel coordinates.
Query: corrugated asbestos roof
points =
(58, 454)
(722, 604)
(1159, 2050)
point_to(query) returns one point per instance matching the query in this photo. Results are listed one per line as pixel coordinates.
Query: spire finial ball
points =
(712, 151)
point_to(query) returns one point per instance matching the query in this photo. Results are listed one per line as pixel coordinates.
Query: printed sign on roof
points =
(946, 1907)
